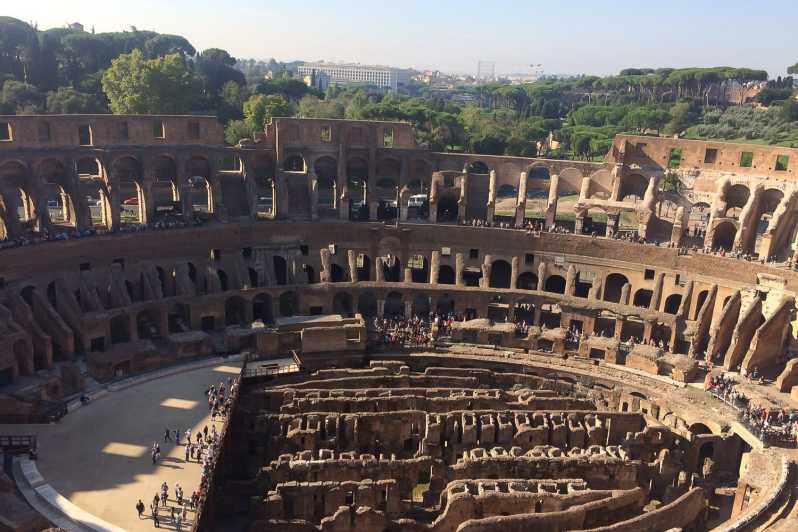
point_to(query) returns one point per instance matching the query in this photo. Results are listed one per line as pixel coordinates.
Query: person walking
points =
(188, 450)
(167, 435)
(140, 508)
(155, 520)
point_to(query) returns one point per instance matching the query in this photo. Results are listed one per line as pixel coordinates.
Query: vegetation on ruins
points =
(68, 70)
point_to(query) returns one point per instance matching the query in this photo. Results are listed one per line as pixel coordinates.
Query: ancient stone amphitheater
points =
(590, 330)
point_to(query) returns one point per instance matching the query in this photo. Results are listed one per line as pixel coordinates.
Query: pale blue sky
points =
(580, 36)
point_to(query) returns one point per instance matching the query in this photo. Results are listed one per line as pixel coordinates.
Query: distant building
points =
(75, 26)
(486, 71)
(321, 75)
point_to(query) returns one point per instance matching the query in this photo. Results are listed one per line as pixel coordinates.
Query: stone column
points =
(579, 222)
(520, 204)
(352, 261)
(379, 270)
(326, 268)
(684, 306)
(657, 292)
(491, 196)
(617, 171)
(625, 290)
(487, 266)
(612, 224)
(570, 279)
(313, 182)
(371, 189)
(408, 274)
(541, 276)
(432, 215)
(114, 201)
(343, 182)
(459, 267)
(551, 205)
(434, 266)
(515, 267)
(462, 203)
(536, 316)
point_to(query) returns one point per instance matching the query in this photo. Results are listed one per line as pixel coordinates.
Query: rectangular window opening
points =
(710, 156)
(193, 130)
(44, 132)
(326, 134)
(746, 159)
(85, 135)
(529, 258)
(473, 253)
(387, 137)
(124, 134)
(649, 274)
(782, 161)
(5, 132)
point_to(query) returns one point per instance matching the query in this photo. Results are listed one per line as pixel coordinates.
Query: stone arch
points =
(367, 304)
(613, 285)
(262, 308)
(767, 206)
(363, 267)
(642, 298)
(342, 304)
(446, 274)
(126, 176)
(672, 303)
(555, 284)
(723, 236)
(699, 428)
(500, 274)
(736, 198)
(538, 184)
(632, 186)
(16, 192)
(699, 302)
(235, 311)
(392, 270)
(58, 192)
(478, 167)
(394, 306)
(527, 281)
(200, 197)
(288, 303)
(294, 162)
(326, 168)
(262, 167)
(419, 269)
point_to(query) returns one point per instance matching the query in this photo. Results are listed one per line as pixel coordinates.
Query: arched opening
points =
(699, 302)
(126, 175)
(672, 303)
(527, 281)
(357, 177)
(633, 188)
(294, 163)
(367, 304)
(538, 183)
(706, 454)
(263, 176)
(280, 269)
(392, 269)
(120, 329)
(96, 197)
(736, 198)
(146, 326)
(500, 274)
(506, 199)
(200, 197)
(419, 269)
(394, 307)
(445, 305)
(472, 275)
(642, 298)
(235, 312)
(478, 167)
(252, 274)
(446, 275)
(387, 189)
(337, 274)
(60, 203)
(555, 284)
(723, 237)
(342, 304)
(224, 283)
(165, 191)
(421, 305)
(613, 286)
(768, 204)
(697, 222)
(326, 169)
(363, 267)
(262, 308)
(288, 304)
(447, 209)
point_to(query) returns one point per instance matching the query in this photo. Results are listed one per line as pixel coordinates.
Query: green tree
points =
(237, 130)
(683, 115)
(793, 69)
(312, 107)
(164, 44)
(135, 85)
(231, 105)
(260, 108)
(22, 98)
(67, 100)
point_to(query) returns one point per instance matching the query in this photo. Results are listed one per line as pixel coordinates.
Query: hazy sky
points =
(578, 36)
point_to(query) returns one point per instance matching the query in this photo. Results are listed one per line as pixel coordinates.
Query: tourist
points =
(140, 508)
(155, 520)
(167, 435)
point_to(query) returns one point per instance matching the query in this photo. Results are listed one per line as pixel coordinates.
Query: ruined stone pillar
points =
(579, 222)
(680, 224)
(536, 316)
(459, 267)
(313, 182)
(520, 204)
(462, 203)
(657, 292)
(648, 327)
(379, 270)
(511, 311)
(625, 291)
(551, 205)
(570, 279)
(541, 276)
(351, 259)
(618, 328)
(114, 205)
(612, 224)
(432, 215)
(617, 172)
(380, 307)
(746, 234)
(408, 274)
(491, 196)
(684, 306)
(487, 266)
(434, 266)
(515, 267)
(325, 272)
(584, 190)
(595, 291)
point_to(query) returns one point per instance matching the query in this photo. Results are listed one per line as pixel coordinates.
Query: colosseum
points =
(416, 341)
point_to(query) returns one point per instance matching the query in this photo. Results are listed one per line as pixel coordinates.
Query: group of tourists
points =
(408, 332)
(53, 235)
(202, 447)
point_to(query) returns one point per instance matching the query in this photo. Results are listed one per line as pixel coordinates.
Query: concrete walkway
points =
(98, 457)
